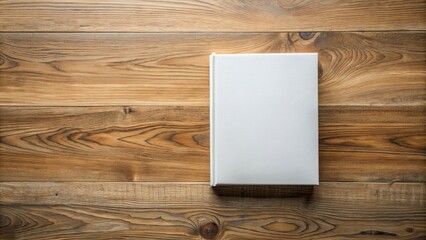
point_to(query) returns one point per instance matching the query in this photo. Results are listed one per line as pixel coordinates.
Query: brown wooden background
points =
(104, 119)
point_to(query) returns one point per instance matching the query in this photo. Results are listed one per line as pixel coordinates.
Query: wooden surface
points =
(210, 16)
(148, 143)
(104, 119)
(176, 211)
(377, 68)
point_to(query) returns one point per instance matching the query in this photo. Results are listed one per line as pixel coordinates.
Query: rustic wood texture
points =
(104, 144)
(104, 121)
(210, 16)
(186, 194)
(175, 211)
(164, 143)
(377, 68)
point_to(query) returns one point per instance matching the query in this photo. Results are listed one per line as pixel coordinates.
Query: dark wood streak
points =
(378, 233)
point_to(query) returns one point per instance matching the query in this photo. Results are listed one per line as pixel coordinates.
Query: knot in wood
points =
(127, 110)
(209, 230)
(306, 35)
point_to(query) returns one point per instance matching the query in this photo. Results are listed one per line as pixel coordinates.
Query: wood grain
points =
(168, 143)
(357, 143)
(361, 69)
(185, 194)
(104, 119)
(210, 16)
(104, 144)
(177, 211)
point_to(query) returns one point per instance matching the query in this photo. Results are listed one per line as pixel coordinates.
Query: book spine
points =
(212, 160)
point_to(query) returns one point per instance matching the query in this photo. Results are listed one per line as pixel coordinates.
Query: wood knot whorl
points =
(306, 35)
(209, 230)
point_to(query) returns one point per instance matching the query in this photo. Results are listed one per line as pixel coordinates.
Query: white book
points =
(264, 119)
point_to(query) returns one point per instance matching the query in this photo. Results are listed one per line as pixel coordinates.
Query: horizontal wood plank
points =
(185, 194)
(105, 144)
(177, 211)
(378, 68)
(210, 16)
(168, 143)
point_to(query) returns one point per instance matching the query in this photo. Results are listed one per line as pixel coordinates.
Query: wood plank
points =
(210, 16)
(357, 143)
(176, 211)
(186, 194)
(106, 143)
(361, 115)
(377, 69)
(168, 143)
